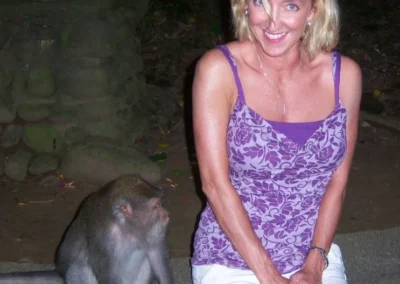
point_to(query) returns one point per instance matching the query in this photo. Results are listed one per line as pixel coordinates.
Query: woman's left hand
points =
(306, 276)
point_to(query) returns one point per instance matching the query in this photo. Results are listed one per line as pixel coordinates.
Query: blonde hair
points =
(321, 35)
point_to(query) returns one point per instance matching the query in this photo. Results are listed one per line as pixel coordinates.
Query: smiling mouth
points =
(275, 36)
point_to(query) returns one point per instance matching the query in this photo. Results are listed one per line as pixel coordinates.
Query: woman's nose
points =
(273, 21)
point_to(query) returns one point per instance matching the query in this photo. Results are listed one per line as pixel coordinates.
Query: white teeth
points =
(275, 36)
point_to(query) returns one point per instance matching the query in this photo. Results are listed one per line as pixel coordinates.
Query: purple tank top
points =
(280, 171)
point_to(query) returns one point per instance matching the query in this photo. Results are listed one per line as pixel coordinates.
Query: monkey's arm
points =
(331, 204)
(159, 262)
(213, 98)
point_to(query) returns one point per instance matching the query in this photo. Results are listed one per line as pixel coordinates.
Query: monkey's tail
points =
(31, 277)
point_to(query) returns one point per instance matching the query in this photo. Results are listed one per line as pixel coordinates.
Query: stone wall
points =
(73, 97)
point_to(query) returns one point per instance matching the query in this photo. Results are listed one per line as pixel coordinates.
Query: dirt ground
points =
(33, 217)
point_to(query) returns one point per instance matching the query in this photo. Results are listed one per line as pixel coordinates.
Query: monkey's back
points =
(80, 236)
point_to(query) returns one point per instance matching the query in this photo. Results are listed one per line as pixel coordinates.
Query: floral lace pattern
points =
(281, 184)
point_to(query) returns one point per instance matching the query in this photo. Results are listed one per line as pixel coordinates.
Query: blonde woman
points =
(275, 121)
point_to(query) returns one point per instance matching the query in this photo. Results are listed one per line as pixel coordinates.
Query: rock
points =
(100, 163)
(43, 138)
(41, 82)
(31, 113)
(115, 18)
(2, 159)
(65, 37)
(5, 79)
(51, 180)
(16, 165)
(8, 110)
(42, 164)
(18, 87)
(91, 110)
(88, 38)
(75, 134)
(60, 114)
(135, 129)
(35, 49)
(12, 135)
(103, 128)
(87, 83)
(92, 6)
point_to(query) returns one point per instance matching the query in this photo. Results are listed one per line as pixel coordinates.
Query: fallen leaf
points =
(178, 172)
(164, 145)
(159, 158)
(377, 93)
(192, 20)
(69, 185)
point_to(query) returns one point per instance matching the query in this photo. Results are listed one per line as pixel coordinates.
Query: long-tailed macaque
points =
(118, 236)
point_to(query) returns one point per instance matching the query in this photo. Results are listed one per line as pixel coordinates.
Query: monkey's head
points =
(136, 204)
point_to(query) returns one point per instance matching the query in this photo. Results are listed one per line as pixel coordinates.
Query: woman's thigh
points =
(210, 274)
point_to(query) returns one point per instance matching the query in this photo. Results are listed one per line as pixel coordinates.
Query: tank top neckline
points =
(336, 77)
(297, 132)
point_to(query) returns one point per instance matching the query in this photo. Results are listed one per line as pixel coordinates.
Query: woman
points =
(275, 122)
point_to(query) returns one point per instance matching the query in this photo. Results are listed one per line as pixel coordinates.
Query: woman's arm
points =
(331, 204)
(213, 95)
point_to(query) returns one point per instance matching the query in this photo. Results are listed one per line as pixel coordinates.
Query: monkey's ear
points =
(122, 209)
(153, 202)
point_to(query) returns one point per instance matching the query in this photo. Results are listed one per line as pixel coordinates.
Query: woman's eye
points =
(292, 7)
(258, 2)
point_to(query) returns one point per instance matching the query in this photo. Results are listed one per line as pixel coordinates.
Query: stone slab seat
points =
(371, 257)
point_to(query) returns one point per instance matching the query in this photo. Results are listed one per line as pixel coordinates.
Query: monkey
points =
(118, 236)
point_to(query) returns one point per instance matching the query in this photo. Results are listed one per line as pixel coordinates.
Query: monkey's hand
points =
(160, 264)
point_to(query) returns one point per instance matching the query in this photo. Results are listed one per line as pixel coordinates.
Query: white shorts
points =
(219, 274)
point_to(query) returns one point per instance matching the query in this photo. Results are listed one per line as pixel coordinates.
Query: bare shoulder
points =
(350, 77)
(214, 75)
(211, 68)
(213, 63)
(350, 83)
(215, 60)
(350, 70)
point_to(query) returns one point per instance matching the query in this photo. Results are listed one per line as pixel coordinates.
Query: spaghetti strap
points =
(232, 62)
(336, 59)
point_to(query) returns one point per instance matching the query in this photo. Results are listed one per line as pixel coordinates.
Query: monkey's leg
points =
(80, 274)
(160, 264)
(145, 273)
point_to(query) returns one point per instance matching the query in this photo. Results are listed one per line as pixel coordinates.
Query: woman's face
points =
(281, 32)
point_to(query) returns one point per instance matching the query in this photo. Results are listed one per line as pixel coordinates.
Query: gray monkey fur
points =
(107, 243)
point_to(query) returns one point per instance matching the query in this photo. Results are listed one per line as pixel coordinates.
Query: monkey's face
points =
(160, 215)
(157, 221)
